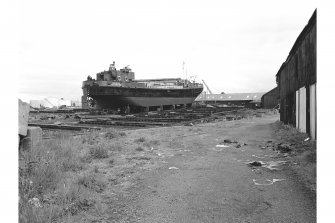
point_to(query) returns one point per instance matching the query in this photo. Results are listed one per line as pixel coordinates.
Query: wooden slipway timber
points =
(118, 89)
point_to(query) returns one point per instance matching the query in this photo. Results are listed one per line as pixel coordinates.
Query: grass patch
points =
(311, 156)
(151, 143)
(141, 139)
(112, 134)
(41, 169)
(49, 176)
(42, 173)
(91, 182)
(138, 158)
(139, 149)
(122, 134)
(116, 147)
(91, 137)
(111, 162)
(99, 152)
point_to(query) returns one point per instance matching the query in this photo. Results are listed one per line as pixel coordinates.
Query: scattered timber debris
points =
(189, 117)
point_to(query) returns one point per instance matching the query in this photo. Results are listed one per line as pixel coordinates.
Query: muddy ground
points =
(202, 173)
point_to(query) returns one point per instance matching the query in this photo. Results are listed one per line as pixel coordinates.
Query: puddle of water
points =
(260, 156)
(277, 180)
(173, 168)
(222, 146)
(217, 150)
(266, 182)
(272, 165)
(164, 154)
(262, 182)
(279, 155)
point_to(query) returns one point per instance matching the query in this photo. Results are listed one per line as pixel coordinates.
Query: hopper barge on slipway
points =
(118, 89)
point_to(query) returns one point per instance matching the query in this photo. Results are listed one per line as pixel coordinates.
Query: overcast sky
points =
(235, 46)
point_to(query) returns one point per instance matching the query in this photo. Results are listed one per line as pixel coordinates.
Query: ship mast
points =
(184, 73)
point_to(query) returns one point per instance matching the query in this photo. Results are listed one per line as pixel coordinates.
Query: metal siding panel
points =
(297, 109)
(302, 109)
(313, 111)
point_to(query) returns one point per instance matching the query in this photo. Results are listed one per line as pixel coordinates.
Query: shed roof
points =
(311, 23)
(274, 90)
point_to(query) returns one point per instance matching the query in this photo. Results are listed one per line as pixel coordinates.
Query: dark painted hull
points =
(112, 97)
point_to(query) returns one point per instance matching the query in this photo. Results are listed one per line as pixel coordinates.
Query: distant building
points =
(296, 80)
(271, 98)
(252, 100)
(50, 103)
(76, 103)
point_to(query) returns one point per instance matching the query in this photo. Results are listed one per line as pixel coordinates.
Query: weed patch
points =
(111, 162)
(114, 134)
(139, 149)
(91, 137)
(91, 182)
(99, 152)
(151, 143)
(96, 169)
(116, 147)
(41, 172)
(311, 156)
(122, 134)
(141, 139)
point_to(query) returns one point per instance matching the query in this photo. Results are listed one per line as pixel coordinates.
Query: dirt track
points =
(206, 183)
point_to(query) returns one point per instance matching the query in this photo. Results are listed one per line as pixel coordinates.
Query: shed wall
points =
(299, 72)
(271, 99)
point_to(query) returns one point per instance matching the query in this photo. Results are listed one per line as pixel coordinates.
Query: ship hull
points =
(113, 97)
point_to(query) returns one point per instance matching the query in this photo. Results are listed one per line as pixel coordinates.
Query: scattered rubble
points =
(255, 163)
(284, 148)
(271, 165)
(229, 141)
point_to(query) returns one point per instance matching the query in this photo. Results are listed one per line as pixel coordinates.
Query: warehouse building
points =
(296, 80)
(250, 100)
